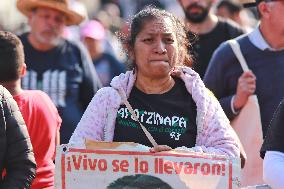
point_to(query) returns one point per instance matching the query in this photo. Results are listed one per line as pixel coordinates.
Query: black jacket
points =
(275, 132)
(16, 153)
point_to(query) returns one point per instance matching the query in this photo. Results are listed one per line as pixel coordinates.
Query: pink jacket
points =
(214, 133)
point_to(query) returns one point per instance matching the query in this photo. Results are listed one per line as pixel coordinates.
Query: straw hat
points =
(73, 18)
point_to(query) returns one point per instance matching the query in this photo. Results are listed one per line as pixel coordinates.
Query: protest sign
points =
(104, 168)
(263, 186)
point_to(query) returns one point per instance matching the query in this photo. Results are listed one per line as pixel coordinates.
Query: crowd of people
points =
(76, 75)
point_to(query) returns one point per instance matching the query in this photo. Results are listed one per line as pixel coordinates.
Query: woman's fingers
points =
(160, 148)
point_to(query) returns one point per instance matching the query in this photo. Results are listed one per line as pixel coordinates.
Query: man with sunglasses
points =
(263, 50)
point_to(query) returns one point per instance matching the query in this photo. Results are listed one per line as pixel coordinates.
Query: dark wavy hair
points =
(11, 56)
(151, 13)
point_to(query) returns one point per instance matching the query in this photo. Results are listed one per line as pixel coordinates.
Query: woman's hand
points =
(176, 71)
(160, 148)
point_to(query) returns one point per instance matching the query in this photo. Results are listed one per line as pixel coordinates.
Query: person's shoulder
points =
(72, 43)
(106, 92)
(233, 28)
(223, 48)
(123, 80)
(4, 93)
(40, 101)
(224, 54)
(7, 98)
(33, 92)
(37, 93)
(107, 95)
(229, 23)
(121, 83)
(37, 96)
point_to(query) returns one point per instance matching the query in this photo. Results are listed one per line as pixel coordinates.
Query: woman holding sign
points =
(170, 103)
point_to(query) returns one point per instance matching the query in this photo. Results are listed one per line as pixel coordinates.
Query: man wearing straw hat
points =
(61, 68)
(263, 50)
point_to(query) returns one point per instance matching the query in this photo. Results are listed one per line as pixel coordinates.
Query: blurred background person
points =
(234, 10)
(73, 32)
(107, 66)
(109, 15)
(263, 50)
(40, 114)
(10, 18)
(211, 31)
(130, 7)
(60, 67)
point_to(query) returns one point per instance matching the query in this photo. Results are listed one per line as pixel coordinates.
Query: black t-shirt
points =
(169, 117)
(66, 74)
(206, 44)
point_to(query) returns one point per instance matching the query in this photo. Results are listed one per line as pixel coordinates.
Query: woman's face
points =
(156, 49)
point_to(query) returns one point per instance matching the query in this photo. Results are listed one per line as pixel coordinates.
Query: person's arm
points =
(225, 78)
(57, 142)
(19, 161)
(215, 79)
(273, 169)
(217, 135)
(57, 139)
(49, 118)
(214, 133)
